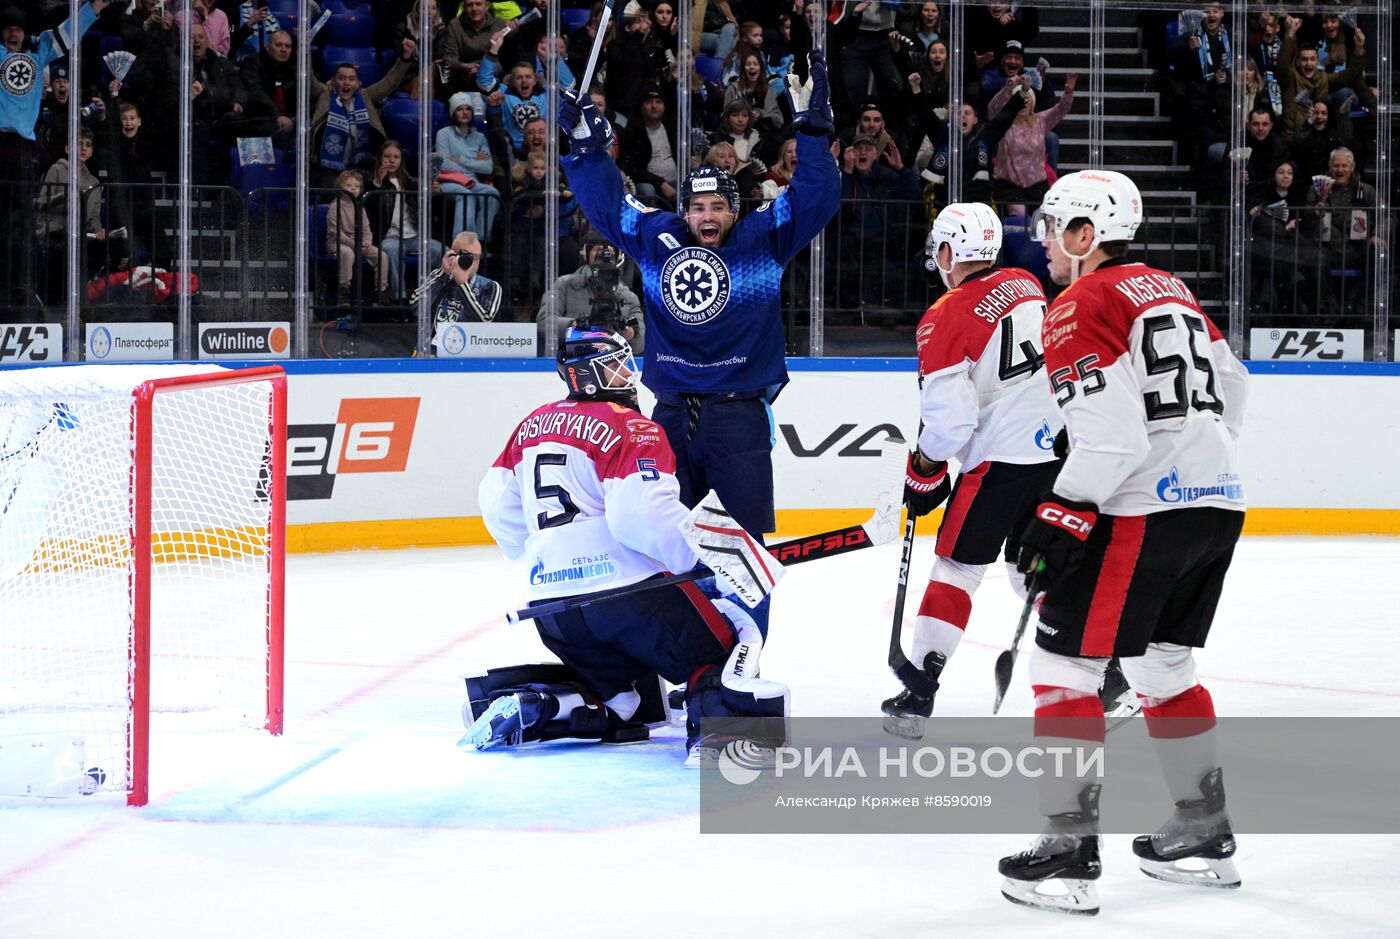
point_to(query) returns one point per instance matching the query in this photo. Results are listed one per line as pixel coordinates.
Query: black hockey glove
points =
(1056, 535)
(1061, 446)
(588, 130)
(817, 120)
(925, 484)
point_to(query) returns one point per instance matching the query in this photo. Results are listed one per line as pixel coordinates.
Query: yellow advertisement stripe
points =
(445, 532)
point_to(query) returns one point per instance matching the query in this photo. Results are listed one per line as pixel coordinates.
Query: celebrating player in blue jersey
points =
(715, 350)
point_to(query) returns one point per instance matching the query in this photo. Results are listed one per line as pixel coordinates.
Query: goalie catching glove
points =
(925, 484)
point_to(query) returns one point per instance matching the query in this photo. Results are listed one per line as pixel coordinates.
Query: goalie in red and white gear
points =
(1132, 544)
(584, 497)
(983, 405)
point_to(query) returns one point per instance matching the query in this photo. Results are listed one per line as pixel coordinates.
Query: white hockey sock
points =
(567, 703)
(624, 704)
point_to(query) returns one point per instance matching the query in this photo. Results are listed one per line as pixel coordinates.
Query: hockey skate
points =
(1057, 872)
(1196, 843)
(504, 723)
(906, 713)
(1120, 701)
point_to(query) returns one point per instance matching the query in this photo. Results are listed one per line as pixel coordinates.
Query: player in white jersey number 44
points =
(982, 403)
(1135, 537)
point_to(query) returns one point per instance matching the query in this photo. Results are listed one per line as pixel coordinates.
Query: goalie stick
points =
(727, 552)
(879, 529)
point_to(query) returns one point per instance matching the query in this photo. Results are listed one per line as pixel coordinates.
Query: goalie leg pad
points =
(752, 708)
(652, 708)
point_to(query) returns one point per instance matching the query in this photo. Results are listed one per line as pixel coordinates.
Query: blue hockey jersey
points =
(714, 317)
(21, 73)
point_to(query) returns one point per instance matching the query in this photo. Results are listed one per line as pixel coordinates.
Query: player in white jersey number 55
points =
(1136, 537)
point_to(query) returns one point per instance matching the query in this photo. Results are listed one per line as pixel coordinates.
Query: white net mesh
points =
(67, 567)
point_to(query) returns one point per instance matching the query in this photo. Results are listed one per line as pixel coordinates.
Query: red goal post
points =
(142, 566)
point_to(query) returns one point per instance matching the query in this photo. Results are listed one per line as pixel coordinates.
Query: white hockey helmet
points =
(971, 230)
(1109, 200)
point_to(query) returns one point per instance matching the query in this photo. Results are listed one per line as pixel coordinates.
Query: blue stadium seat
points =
(366, 62)
(250, 179)
(710, 68)
(401, 123)
(349, 29)
(279, 7)
(573, 19)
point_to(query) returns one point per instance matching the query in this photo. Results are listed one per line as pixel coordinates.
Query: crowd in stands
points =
(890, 62)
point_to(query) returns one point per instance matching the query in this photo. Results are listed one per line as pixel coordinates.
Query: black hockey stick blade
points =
(1006, 662)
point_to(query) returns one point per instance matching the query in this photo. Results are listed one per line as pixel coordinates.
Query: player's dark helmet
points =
(708, 180)
(597, 364)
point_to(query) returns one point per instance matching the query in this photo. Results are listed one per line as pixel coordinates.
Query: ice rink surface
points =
(366, 820)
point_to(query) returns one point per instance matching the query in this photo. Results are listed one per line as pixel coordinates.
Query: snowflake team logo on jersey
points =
(19, 74)
(524, 112)
(694, 285)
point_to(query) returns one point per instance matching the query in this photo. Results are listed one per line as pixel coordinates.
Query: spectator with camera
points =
(594, 294)
(462, 294)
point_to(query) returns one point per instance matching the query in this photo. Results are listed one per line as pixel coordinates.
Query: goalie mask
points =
(597, 365)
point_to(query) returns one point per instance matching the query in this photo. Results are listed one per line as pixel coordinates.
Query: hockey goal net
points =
(142, 529)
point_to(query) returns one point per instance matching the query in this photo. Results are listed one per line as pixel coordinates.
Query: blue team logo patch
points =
(1045, 437)
(19, 73)
(694, 285)
(1169, 487)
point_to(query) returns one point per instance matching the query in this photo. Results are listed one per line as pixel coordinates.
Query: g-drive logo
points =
(370, 435)
(1169, 488)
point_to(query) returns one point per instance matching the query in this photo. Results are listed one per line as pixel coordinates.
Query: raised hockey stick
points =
(587, 77)
(1006, 662)
(724, 548)
(879, 529)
